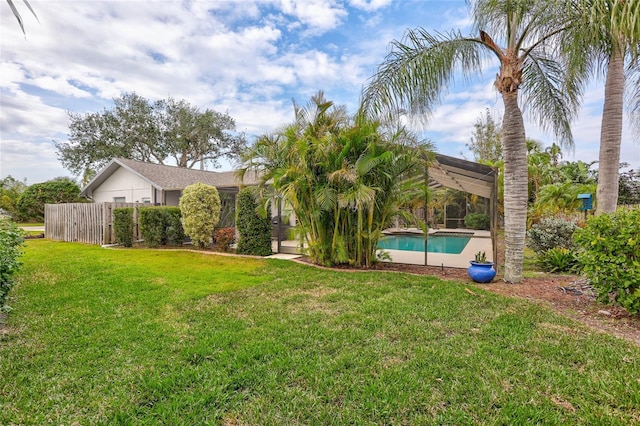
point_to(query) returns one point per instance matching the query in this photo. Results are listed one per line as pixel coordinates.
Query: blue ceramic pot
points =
(481, 272)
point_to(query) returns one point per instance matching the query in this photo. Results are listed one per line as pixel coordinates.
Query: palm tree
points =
(520, 34)
(17, 14)
(341, 176)
(609, 44)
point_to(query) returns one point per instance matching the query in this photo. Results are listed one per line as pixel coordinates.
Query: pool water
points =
(448, 244)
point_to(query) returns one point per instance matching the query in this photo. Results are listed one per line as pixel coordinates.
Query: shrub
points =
(174, 232)
(224, 238)
(610, 257)
(477, 221)
(123, 225)
(254, 229)
(152, 225)
(11, 239)
(558, 259)
(551, 233)
(200, 209)
(160, 226)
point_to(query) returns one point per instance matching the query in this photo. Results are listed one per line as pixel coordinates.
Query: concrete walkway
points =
(33, 228)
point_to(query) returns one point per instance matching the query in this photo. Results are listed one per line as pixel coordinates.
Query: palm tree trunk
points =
(611, 136)
(515, 187)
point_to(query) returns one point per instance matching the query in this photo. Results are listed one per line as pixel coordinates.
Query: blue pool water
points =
(449, 244)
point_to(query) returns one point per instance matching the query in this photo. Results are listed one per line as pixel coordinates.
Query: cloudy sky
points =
(250, 58)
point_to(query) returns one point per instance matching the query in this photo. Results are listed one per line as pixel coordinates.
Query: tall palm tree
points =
(520, 34)
(609, 44)
(16, 13)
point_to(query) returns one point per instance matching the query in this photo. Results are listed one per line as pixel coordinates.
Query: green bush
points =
(200, 209)
(160, 226)
(254, 228)
(123, 226)
(477, 221)
(610, 257)
(558, 259)
(224, 238)
(152, 224)
(550, 233)
(11, 239)
(173, 226)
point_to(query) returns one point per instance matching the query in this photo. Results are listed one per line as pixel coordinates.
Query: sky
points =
(247, 58)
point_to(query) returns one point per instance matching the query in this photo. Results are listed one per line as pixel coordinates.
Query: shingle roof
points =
(173, 178)
(170, 178)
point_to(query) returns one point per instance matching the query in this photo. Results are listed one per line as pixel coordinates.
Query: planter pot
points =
(481, 272)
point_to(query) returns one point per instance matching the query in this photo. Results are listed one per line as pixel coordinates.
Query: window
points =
(146, 200)
(119, 199)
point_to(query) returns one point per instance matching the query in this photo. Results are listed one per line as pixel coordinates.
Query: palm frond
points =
(418, 69)
(17, 15)
(548, 98)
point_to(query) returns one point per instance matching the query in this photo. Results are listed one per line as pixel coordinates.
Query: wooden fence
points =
(82, 222)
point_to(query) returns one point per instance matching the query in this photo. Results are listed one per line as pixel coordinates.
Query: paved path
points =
(33, 228)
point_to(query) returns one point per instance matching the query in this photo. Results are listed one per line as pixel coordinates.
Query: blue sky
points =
(250, 58)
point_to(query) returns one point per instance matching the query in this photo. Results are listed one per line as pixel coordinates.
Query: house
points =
(130, 181)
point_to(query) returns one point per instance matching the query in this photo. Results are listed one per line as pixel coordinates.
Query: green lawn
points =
(162, 337)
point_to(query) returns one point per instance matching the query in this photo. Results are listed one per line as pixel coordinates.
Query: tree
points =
(10, 190)
(486, 140)
(341, 175)
(17, 15)
(139, 129)
(422, 65)
(59, 190)
(200, 209)
(607, 39)
(629, 187)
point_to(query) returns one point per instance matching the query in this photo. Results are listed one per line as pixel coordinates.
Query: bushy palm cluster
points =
(342, 176)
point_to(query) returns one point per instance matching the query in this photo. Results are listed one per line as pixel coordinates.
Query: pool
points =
(437, 243)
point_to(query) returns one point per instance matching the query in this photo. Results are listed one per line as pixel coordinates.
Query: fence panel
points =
(82, 222)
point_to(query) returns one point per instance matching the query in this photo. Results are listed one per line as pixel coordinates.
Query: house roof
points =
(467, 176)
(169, 178)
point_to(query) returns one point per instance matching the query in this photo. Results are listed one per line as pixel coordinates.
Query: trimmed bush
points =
(123, 226)
(11, 239)
(550, 233)
(610, 257)
(477, 221)
(224, 238)
(254, 229)
(200, 209)
(173, 226)
(160, 226)
(152, 225)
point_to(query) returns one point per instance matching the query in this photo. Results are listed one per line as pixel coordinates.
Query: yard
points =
(166, 337)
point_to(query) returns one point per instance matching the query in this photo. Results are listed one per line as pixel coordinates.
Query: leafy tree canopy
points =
(59, 190)
(10, 190)
(136, 128)
(486, 139)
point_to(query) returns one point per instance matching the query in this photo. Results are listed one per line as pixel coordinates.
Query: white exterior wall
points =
(123, 183)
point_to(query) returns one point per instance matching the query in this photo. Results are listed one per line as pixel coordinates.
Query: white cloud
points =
(319, 16)
(369, 5)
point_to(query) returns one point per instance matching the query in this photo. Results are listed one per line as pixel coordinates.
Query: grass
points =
(161, 337)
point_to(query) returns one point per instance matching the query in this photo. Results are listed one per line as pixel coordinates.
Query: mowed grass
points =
(164, 337)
